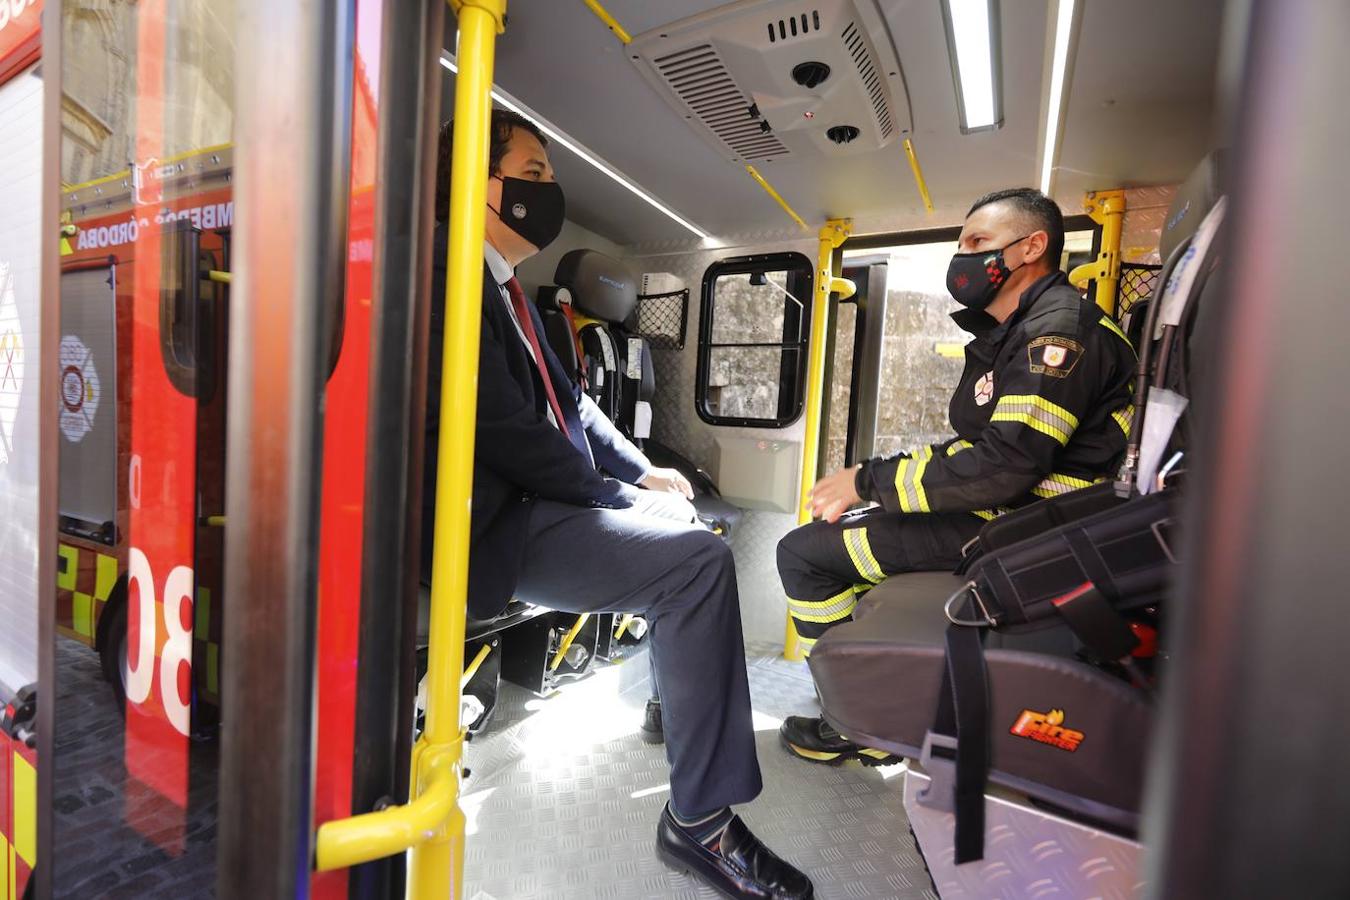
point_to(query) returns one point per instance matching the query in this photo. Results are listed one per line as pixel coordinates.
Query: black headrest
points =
(1195, 198)
(602, 287)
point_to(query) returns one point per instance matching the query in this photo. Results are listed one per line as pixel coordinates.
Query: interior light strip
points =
(1054, 116)
(556, 135)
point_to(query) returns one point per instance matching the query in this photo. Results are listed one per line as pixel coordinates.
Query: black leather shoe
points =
(742, 867)
(653, 732)
(815, 740)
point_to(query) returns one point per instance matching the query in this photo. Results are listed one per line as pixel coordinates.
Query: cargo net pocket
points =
(661, 318)
(1137, 282)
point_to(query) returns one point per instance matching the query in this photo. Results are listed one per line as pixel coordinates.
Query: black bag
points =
(1124, 552)
(1038, 518)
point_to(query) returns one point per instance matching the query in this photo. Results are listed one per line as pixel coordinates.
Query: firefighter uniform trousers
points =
(827, 568)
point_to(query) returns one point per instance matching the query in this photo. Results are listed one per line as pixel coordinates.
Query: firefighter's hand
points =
(834, 494)
(668, 480)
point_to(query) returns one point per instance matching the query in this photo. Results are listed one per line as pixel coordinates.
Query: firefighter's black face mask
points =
(974, 279)
(532, 209)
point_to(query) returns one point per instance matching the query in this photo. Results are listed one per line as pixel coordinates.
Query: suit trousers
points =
(654, 561)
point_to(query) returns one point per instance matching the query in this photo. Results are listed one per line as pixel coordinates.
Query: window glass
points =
(752, 347)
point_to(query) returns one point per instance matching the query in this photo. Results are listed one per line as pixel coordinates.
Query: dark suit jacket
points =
(519, 456)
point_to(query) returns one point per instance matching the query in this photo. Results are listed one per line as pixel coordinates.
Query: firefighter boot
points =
(815, 740)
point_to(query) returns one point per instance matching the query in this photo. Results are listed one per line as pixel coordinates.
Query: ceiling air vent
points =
(698, 78)
(876, 89)
(783, 29)
(810, 74)
(843, 134)
(756, 100)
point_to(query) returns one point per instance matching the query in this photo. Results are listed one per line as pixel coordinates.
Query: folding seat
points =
(1063, 740)
(589, 318)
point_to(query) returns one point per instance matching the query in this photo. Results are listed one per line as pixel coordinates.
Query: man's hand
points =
(668, 480)
(834, 494)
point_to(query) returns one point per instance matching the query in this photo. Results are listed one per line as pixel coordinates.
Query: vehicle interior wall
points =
(676, 423)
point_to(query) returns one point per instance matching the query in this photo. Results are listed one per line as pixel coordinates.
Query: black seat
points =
(896, 640)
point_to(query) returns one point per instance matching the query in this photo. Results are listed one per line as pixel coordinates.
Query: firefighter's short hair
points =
(1038, 212)
(504, 121)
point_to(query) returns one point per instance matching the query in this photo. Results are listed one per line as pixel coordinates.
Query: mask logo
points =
(1047, 728)
(519, 211)
(984, 388)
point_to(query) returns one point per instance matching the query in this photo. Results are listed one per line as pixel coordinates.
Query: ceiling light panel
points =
(974, 44)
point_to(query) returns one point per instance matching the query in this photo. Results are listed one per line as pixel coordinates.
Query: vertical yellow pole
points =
(832, 235)
(1107, 209)
(437, 866)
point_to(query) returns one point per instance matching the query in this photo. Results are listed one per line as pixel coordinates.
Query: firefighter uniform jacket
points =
(1043, 408)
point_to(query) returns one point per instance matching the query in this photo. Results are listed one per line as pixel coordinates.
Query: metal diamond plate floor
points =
(563, 798)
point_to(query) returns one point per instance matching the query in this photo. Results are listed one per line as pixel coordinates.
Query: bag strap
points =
(963, 714)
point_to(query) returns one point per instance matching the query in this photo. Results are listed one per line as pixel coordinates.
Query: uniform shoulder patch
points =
(1054, 356)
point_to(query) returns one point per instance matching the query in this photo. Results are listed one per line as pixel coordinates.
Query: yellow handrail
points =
(474, 666)
(431, 823)
(566, 643)
(218, 276)
(918, 175)
(832, 235)
(1107, 209)
(768, 189)
(603, 15)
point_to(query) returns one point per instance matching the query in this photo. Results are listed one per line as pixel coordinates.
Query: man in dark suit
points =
(568, 514)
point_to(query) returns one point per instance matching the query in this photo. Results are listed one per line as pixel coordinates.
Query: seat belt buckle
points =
(938, 760)
(1096, 623)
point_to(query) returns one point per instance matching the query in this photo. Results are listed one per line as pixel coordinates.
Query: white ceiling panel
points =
(1138, 113)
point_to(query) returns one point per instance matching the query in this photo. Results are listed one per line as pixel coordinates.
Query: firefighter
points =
(1042, 408)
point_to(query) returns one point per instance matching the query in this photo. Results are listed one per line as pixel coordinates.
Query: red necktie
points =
(527, 328)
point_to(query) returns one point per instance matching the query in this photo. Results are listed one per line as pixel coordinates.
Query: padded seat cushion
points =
(879, 676)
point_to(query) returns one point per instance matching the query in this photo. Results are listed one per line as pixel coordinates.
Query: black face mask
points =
(532, 209)
(974, 279)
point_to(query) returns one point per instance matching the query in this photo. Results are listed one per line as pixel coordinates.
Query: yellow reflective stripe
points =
(805, 644)
(1056, 484)
(1038, 413)
(860, 551)
(833, 609)
(988, 515)
(918, 484)
(1107, 323)
(901, 479)
(957, 446)
(25, 810)
(1125, 418)
(105, 576)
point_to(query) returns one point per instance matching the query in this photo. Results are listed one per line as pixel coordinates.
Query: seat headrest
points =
(601, 286)
(1195, 198)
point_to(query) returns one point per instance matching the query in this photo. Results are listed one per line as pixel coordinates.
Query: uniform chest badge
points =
(984, 388)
